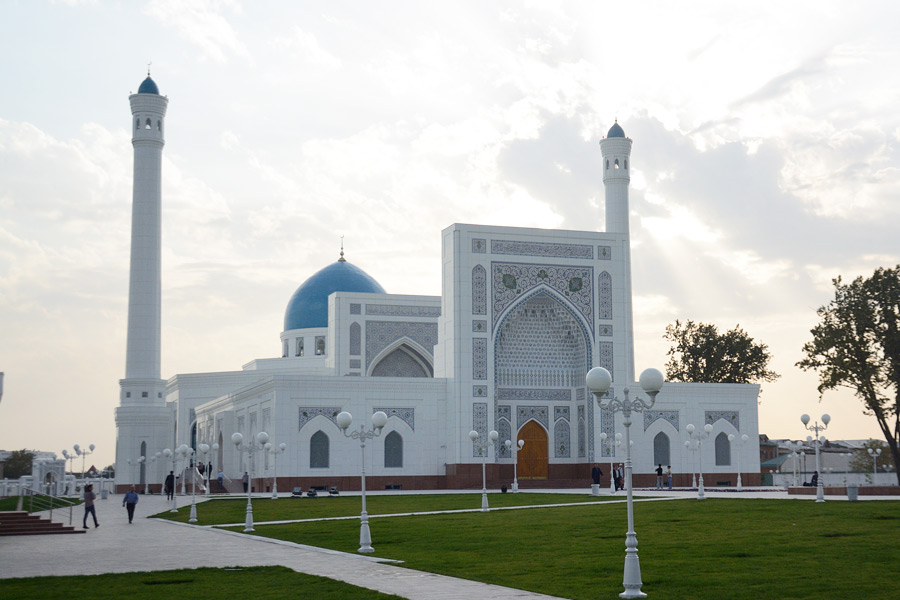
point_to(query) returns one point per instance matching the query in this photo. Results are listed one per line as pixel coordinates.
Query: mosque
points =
(524, 314)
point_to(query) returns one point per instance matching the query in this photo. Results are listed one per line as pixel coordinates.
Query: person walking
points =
(170, 485)
(246, 481)
(620, 477)
(89, 509)
(659, 477)
(129, 502)
(669, 475)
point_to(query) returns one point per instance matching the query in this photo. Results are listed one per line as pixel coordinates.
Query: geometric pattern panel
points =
(670, 416)
(538, 413)
(479, 391)
(561, 439)
(355, 339)
(479, 326)
(505, 431)
(730, 416)
(407, 415)
(608, 426)
(532, 394)
(399, 364)
(604, 252)
(606, 356)
(479, 424)
(581, 447)
(560, 412)
(355, 309)
(355, 363)
(479, 358)
(542, 249)
(380, 334)
(504, 412)
(510, 280)
(479, 290)
(308, 413)
(605, 330)
(479, 246)
(604, 295)
(396, 310)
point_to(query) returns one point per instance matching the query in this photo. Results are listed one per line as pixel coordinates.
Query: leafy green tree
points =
(701, 354)
(863, 463)
(856, 345)
(18, 464)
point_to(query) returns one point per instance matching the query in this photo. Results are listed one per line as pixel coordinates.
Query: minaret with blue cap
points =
(142, 419)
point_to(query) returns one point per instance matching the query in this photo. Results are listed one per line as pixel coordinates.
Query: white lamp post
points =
(874, 454)
(483, 450)
(71, 459)
(275, 451)
(379, 420)
(743, 438)
(83, 454)
(261, 438)
(204, 450)
(598, 381)
(692, 447)
(132, 464)
(796, 453)
(193, 518)
(515, 456)
(815, 427)
(186, 452)
(699, 436)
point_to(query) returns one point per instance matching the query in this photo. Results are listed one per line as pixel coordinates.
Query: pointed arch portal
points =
(533, 460)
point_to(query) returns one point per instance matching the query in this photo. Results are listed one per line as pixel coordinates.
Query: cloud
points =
(201, 23)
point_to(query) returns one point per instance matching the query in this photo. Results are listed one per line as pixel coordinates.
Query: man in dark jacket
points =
(129, 502)
(170, 485)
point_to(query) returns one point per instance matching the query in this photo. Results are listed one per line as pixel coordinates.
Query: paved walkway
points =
(159, 545)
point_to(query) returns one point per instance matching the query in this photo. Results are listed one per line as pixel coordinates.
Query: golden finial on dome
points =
(342, 259)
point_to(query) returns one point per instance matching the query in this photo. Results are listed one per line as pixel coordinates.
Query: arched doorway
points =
(533, 457)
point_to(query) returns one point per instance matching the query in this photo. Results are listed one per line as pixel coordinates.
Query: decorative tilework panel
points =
(532, 394)
(540, 344)
(479, 246)
(308, 413)
(503, 412)
(607, 426)
(542, 249)
(606, 356)
(380, 334)
(355, 309)
(605, 330)
(355, 363)
(479, 290)
(581, 424)
(266, 419)
(560, 412)
(399, 310)
(479, 358)
(604, 295)
(730, 416)
(561, 439)
(604, 252)
(479, 391)
(510, 280)
(579, 394)
(479, 423)
(505, 431)
(407, 415)
(355, 339)
(538, 413)
(479, 326)
(668, 415)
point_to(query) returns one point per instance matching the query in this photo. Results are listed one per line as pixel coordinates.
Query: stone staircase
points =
(23, 523)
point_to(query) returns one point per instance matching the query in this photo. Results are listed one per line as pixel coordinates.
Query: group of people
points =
(660, 475)
(663, 477)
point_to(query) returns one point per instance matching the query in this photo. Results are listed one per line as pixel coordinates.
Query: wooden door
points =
(533, 457)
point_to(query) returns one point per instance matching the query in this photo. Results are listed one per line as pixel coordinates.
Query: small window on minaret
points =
(617, 163)
(149, 124)
(299, 347)
(137, 123)
(626, 164)
(159, 127)
(607, 164)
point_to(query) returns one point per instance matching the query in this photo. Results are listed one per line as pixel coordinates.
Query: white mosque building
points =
(524, 314)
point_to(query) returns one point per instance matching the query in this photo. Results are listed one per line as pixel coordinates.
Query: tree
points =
(700, 354)
(863, 463)
(856, 345)
(18, 464)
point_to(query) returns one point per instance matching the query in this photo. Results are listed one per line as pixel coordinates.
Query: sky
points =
(765, 163)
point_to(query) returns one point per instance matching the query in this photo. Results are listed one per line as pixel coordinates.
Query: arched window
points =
(149, 124)
(393, 451)
(284, 349)
(159, 125)
(661, 450)
(607, 164)
(318, 451)
(137, 123)
(723, 450)
(626, 164)
(355, 339)
(616, 164)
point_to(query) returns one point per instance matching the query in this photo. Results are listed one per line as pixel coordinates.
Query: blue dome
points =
(616, 131)
(308, 307)
(148, 86)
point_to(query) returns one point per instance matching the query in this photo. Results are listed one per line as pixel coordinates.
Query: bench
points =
(393, 486)
(297, 492)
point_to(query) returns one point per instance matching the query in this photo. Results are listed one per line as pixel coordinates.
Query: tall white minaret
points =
(616, 151)
(142, 420)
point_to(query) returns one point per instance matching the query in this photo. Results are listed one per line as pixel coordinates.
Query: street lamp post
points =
(83, 454)
(71, 459)
(379, 420)
(692, 447)
(598, 381)
(261, 438)
(187, 452)
(275, 451)
(515, 455)
(215, 448)
(482, 447)
(743, 438)
(203, 448)
(815, 427)
(699, 436)
(796, 453)
(874, 454)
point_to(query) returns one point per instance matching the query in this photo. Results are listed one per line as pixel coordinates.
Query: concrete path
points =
(159, 545)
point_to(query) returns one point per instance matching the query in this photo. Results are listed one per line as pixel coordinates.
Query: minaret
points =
(616, 151)
(143, 422)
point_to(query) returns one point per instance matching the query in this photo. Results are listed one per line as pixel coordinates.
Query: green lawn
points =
(719, 548)
(234, 510)
(38, 503)
(258, 583)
